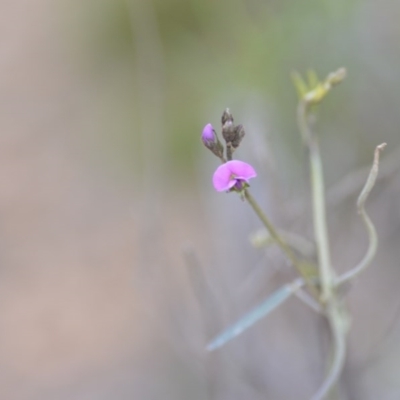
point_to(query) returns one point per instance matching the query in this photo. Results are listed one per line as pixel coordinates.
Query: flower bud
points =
(233, 134)
(227, 117)
(211, 141)
(208, 136)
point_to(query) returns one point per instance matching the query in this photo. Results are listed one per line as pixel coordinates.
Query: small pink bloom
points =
(233, 174)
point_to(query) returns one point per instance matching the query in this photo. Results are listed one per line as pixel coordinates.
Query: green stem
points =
(320, 226)
(271, 229)
(279, 240)
(326, 275)
(318, 196)
(334, 311)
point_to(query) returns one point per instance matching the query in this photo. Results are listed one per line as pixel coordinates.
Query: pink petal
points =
(241, 170)
(222, 178)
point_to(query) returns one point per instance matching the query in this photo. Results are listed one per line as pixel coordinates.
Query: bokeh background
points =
(119, 262)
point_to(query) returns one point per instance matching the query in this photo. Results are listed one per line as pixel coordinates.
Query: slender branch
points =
(320, 226)
(372, 236)
(334, 311)
(278, 239)
(319, 213)
(326, 276)
(271, 229)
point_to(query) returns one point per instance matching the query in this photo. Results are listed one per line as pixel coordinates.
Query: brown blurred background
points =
(118, 261)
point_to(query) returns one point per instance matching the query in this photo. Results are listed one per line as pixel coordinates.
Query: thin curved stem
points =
(369, 255)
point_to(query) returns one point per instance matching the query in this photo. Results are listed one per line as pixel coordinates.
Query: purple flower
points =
(234, 175)
(208, 135)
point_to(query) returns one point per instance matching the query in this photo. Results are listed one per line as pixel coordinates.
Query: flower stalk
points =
(297, 264)
(271, 229)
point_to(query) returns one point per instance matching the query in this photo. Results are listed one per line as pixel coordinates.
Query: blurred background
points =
(119, 261)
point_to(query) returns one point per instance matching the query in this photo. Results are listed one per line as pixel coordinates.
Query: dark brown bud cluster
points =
(232, 134)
